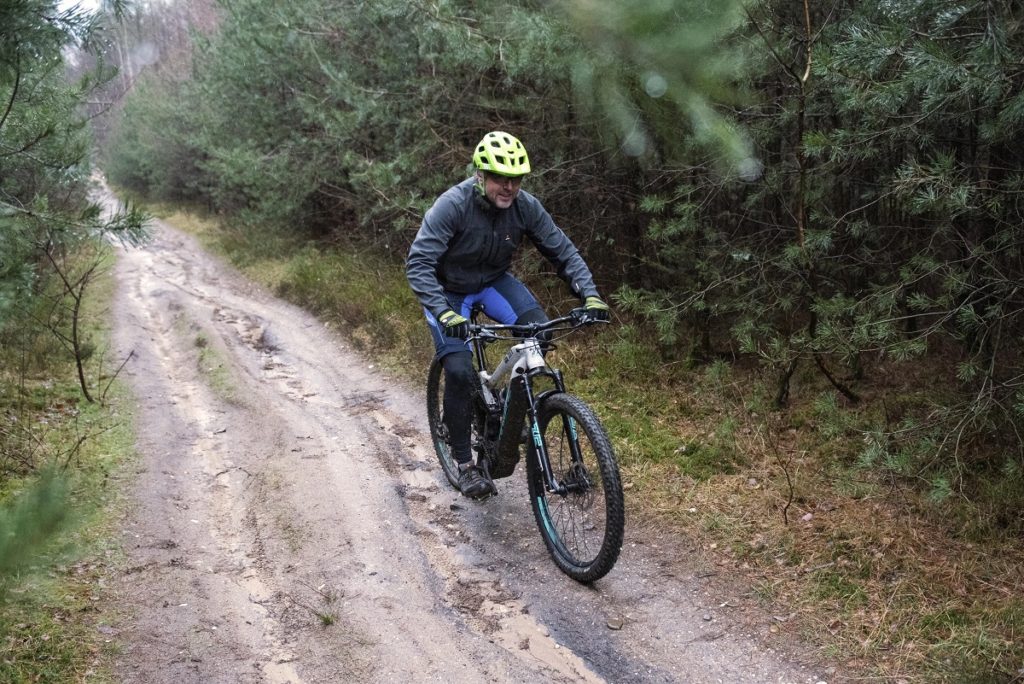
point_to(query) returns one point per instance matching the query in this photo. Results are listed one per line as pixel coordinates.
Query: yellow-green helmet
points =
(502, 154)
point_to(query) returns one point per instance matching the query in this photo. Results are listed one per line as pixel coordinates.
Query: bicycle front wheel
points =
(582, 522)
(435, 418)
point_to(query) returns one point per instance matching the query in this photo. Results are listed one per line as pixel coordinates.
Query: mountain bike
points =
(572, 474)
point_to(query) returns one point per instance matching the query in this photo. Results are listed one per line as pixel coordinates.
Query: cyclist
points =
(460, 260)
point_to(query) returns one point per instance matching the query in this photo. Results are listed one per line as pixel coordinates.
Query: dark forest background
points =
(832, 186)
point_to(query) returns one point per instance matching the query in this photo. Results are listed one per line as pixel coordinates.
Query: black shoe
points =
(472, 482)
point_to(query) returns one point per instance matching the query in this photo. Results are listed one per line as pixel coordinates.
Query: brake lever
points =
(483, 333)
(581, 317)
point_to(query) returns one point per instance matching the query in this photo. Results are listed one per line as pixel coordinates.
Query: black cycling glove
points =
(596, 309)
(454, 325)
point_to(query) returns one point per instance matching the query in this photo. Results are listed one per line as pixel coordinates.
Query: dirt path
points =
(291, 525)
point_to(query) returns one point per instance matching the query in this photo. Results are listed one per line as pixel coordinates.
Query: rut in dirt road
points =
(290, 523)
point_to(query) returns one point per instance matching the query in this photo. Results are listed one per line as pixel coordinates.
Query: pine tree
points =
(45, 217)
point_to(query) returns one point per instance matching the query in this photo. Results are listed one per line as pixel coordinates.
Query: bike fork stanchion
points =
(540, 449)
(572, 433)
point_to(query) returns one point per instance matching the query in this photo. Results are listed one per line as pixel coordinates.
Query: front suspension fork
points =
(540, 449)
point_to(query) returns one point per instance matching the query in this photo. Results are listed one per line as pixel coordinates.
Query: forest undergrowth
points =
(787, 506)
(62, 469)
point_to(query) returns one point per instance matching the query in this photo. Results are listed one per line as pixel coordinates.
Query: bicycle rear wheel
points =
(435, 418)
(583, 526)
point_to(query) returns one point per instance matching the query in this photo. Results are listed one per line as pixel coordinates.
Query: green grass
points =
(53, 605)
(973, 646)
(215, 370)
(43, 641)
(837, 588)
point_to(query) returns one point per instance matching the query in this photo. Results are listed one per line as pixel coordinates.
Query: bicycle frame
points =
(510, 387)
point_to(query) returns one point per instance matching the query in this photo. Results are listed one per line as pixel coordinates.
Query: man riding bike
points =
(460, 260)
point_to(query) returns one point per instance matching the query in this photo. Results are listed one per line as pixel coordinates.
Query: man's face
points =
(501, 190)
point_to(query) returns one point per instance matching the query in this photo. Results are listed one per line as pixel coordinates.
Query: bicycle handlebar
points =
(577, 318)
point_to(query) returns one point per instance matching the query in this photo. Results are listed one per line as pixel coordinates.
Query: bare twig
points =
(773, 443)
(103, 395)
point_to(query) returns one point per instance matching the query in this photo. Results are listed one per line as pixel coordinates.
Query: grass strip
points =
(54, 624)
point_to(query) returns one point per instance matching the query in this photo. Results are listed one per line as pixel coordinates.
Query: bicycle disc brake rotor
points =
(579, 485)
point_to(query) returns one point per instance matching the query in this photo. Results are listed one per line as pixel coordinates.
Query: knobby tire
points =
(583, 528)
(435, 417)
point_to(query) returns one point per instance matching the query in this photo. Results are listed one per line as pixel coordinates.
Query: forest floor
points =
(288, 523)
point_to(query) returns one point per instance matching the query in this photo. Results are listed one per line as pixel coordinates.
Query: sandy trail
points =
(290, 523)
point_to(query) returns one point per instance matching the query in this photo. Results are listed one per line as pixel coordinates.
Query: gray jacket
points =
(465, 243)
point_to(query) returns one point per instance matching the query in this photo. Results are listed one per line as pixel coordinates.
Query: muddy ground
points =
(289, 523)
